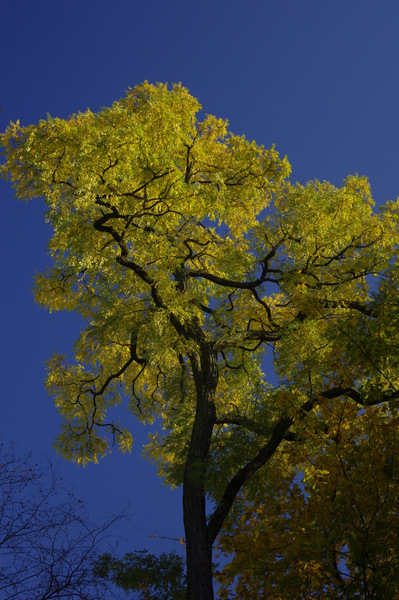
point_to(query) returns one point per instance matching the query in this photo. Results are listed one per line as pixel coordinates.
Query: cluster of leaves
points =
(148, 576)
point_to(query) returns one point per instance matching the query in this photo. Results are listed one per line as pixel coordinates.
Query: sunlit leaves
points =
(200, 270)
(145, 181)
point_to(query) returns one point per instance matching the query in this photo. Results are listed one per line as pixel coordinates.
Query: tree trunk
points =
(198, 548)
(199, 555)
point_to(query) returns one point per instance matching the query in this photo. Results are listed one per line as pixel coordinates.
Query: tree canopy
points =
(242, 310)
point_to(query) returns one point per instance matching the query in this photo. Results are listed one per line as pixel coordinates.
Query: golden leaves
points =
(329, 532)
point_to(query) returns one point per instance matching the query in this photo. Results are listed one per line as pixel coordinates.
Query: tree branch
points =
(279, 434)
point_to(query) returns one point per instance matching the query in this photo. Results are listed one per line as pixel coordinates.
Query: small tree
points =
(47, 544)
(150, 577)
(192, 259)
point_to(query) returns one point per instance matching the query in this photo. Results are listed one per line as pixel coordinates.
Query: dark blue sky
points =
(319, 79)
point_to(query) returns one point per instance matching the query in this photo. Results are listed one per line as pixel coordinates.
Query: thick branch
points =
(233, 487)
(279, 433)
(355, 395)
(243, 285)
(251, 425)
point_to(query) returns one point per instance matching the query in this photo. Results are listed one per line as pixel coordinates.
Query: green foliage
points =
(151, 577)
(135, 195)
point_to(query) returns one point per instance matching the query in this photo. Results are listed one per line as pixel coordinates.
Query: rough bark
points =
(198, 548)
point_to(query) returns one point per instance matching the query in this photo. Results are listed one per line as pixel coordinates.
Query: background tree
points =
(332, 534)
(47, 544)
(192, 261)
(148, 576)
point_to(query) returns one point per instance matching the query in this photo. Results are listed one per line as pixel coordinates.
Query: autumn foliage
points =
(255, 318)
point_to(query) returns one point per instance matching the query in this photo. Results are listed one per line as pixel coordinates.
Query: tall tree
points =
(192, 260)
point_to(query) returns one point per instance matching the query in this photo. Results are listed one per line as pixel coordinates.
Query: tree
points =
(47, 544)
(194, 261)
(333, 534)
(150, 577)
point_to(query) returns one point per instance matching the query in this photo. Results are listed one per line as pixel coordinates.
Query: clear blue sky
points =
(318, 78)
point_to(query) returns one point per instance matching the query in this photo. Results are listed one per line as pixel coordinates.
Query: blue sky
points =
(319, 79)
